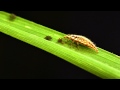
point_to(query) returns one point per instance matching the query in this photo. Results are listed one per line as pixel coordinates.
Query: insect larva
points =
(48, 38)
(12, 17)
(78, 39)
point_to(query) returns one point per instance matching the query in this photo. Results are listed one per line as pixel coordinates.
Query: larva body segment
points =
(78, 39)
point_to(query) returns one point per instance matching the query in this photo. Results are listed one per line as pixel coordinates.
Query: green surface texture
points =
(103, 64)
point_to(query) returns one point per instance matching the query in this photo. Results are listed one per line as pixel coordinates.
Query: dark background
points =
(20, 60)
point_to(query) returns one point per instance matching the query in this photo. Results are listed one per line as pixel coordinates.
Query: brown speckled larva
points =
(78, 39)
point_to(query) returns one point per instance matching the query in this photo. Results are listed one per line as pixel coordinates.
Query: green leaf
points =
(103, 64)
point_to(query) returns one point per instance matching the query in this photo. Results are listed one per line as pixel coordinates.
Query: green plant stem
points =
(103, 64)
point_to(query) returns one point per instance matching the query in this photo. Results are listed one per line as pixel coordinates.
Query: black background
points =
(19, 60)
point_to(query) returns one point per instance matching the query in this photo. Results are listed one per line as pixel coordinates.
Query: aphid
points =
(12, 17)
(60, 40)
(48, 38)
(78, 39)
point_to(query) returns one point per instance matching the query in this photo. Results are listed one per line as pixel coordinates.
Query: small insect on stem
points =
(78, 39)
(12, 17)
(60, 40)
(48, 38)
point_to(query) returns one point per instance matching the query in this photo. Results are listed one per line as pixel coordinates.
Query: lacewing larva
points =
(78, 39)
(48, 38)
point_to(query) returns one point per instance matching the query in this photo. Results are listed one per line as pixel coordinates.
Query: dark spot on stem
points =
(60, 40)
(12, 17)
(48, 37)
